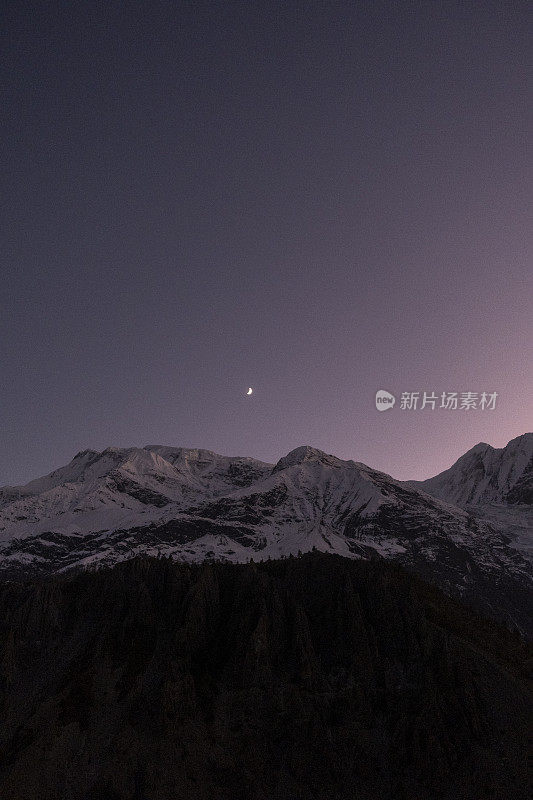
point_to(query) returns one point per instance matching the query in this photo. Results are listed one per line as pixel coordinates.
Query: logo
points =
(384, 400)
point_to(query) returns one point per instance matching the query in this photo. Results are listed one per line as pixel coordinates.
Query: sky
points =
(315, 199)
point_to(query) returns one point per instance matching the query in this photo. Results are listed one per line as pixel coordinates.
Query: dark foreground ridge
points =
(313, 678)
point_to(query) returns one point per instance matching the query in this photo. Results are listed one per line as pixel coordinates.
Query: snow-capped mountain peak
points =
(486, 474)
(120, 487)
(303, 454)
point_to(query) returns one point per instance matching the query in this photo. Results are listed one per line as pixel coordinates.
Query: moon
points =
(250, 390)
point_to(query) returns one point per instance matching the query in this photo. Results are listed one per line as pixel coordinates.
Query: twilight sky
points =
(315, 199)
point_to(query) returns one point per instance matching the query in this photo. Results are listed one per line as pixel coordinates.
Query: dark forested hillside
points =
(315, 678)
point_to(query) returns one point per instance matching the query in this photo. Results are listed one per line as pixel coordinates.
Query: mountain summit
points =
(306, 453)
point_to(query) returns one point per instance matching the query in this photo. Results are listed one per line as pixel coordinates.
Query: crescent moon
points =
(249, 390)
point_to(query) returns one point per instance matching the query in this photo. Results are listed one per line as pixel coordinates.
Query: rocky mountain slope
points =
(317, 677)
(195, 505)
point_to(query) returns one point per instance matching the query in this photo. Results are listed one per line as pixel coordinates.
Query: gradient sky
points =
(315, 199)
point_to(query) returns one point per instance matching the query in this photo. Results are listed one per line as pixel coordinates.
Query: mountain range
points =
(469, 529)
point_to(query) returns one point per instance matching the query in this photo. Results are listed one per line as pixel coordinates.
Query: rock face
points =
(194, 505)
(317, 677)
